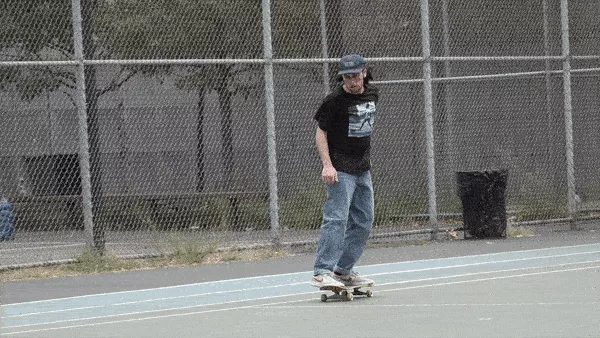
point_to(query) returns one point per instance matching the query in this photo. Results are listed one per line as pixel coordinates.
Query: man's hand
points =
(329, 175)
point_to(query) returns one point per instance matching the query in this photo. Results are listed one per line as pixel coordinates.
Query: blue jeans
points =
(347, 223)
(6, 232)
(6, 221)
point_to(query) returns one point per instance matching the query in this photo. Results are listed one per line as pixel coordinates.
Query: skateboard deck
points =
(346, 292)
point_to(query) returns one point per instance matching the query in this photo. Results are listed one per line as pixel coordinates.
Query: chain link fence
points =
(136, 126)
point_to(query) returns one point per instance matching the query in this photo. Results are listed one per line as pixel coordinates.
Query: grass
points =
(185, 254)
(382, 245)
(189, 252)
(532, 210)
(518, 232)
(91, 262)
(304, 209)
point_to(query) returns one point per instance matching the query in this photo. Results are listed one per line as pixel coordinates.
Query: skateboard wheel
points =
(349, 296)
(344, 293)
(323, 298)
(369, 293)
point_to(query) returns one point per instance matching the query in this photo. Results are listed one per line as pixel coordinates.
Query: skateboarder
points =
(345, 121)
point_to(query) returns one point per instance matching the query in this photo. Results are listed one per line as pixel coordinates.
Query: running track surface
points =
(544, 292)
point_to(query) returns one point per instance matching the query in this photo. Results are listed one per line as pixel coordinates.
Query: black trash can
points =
(484, 203)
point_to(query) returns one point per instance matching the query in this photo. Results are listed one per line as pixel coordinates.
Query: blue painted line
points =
(133, 296)
(281, 290)
(228, 285)
(444, 263)
(220, 292)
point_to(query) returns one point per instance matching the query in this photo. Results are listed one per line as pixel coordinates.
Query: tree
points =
(335, 38)
(188, 29)
(36, 30)
(155, 29)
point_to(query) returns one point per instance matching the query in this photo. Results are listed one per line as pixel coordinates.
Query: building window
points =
(53, 175)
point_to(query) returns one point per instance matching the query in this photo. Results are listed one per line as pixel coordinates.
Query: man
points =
(6, 220)
(345, 121)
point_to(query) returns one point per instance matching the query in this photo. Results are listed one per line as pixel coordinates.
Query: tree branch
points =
(242, 69)
(70, 98)
(5, 55)
(67, 79)
(115, 83)
(64, 51)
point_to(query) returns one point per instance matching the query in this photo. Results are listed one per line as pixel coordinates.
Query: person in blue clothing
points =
(6, 220)
(345, 121)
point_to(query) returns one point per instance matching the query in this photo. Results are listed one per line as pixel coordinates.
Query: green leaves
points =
(35, 29)
(181, 29)
(142, 29)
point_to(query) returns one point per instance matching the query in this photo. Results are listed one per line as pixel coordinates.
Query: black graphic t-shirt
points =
(348, 120)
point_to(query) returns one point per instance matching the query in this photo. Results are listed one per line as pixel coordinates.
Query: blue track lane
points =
(110, 305)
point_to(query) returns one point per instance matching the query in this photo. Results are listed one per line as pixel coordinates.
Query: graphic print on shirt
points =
(361, 119)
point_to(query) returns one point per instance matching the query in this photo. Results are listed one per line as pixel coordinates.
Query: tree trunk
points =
(89, 49)
(225, 97)
(226, 133)
(200, 141)
(335, 37)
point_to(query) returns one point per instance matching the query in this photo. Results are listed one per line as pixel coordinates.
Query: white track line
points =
(295, 307)
(483, 263)
(153, 311)
(499, 277)
(311, 292)
(304, 272)
(291, 284)
(496, 253)
(289, 302)
(54, 311)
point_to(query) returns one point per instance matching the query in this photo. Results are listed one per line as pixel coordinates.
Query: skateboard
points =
(346, 292)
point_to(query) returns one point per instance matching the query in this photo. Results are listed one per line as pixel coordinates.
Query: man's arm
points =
(329, 174)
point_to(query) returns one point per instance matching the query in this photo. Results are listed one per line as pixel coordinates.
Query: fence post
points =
(546, 26)
(270, 112)
(324, 46)
(446, 112)
(451, 154)
(84, 148)
(566, 54)
(428, 102)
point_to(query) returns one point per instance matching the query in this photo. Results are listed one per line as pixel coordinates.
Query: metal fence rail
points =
(135, 126)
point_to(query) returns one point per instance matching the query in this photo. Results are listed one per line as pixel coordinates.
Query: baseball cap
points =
(353, 63)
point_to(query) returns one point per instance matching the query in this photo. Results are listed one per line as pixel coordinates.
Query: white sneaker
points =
(325, 280)
(354, 279)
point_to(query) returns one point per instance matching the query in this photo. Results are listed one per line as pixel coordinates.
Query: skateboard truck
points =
(345, 292)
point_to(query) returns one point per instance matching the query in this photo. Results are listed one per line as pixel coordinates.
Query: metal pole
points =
(428, 101)
(547, 69)
(446, 36)
(550, 122)
(324, 47)
(84, 148)
(566, 53)
(270, 112)
(451, 153)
